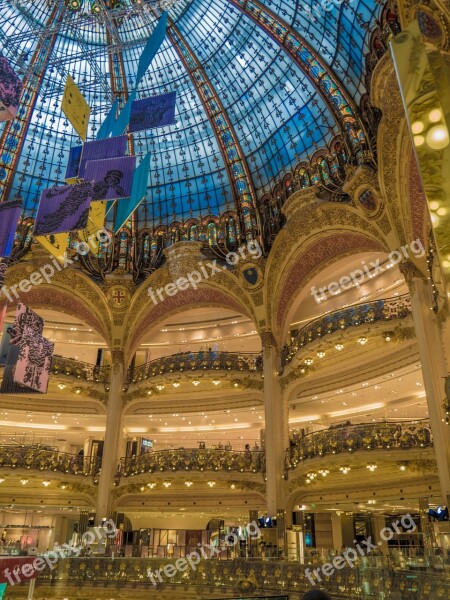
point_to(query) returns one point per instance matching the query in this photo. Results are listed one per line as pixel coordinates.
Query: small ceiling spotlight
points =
(78, 390)
(196, 382)
(402, 466)
(308, 361)
(160, 387)
(215, 381)
(339, 346)
(167, 484)
(176, 384)
(362, 341)
(388, 335)
(372, 467)
(151, 485)
(321, 354)
(24, 481)
(142, 488)
(46, 483)
(344, 470)
(188, 483)
(324, 472)
(2, 479)
(61, 386)
(235, 383)
(211, 484)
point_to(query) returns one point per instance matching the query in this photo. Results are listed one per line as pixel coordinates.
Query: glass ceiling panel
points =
(277, 114)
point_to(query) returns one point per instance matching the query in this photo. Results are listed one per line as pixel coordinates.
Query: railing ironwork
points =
(197, 361)
(40, 459)
(193, 459)
(366, 436)
(80, 370)
(397, 307)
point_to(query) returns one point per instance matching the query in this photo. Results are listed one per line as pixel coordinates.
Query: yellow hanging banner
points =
(55, 243)
(96, 222)
(76, 108)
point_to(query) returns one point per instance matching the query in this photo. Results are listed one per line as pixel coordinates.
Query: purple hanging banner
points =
(100, 149)
(63, 209)
(10, 90)
(156, 111)
(111, 178)
(9, 217)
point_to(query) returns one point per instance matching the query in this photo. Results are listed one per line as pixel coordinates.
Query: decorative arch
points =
(324, 250)
(204, 296)
(70, 292)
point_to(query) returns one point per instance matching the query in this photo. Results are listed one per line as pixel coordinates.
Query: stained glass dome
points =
(261, 86)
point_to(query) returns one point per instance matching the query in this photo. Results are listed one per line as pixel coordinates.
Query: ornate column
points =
(276, 423)
(113, 434)
(434, 367)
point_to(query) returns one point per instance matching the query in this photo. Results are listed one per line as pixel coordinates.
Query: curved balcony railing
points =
(371, 578)
(197, 361)
(366, 436)
(41, 459)
(80, 370)
(370, 312)
(193, 459)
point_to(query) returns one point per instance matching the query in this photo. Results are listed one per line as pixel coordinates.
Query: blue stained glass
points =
(277, 117)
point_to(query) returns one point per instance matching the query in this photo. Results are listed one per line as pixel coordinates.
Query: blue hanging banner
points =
(151, 48)
(125, 208)
(108, 124)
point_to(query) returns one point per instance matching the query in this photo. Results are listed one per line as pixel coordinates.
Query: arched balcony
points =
(353, 438)
(197, 361)
(39, 458)
(193, 459)
(397, 307)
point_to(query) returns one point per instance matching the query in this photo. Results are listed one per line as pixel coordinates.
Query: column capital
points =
(117, 359)
(267, 339)
(410, 272)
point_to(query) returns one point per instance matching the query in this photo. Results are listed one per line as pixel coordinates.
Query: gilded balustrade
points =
(398, 307)
(197, 361)
(193, 459)
(373, 578)
(41, 459)
(365, 436)
(80, 370)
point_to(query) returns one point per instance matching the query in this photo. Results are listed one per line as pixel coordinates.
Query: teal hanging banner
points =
(108, 124)
(151, 48)
(125, 208)
(124, 118)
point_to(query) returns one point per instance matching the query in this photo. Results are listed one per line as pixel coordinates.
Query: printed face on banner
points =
(25, 319)
(34, 362)
(156, 111)
(63, 209)
(10, 90)
(102, 149)
(111, 178)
